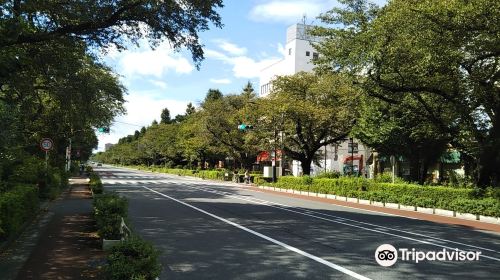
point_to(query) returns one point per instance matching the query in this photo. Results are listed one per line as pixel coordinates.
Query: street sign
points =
(46, 144)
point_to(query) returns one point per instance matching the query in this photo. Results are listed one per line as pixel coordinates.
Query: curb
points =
(431, 211)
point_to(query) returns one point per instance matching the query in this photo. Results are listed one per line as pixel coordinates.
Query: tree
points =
(397, 130)
(60, 92)
(190, 109)
(249, 91)
(312, 111)
(213, 94)
(221, 117)
(165, 116)
(106, 23)
(434, 52)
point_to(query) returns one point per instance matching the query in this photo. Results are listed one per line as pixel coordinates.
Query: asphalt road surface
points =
(218, 230)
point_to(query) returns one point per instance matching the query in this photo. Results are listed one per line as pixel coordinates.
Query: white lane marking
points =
(436, 239)
(380, 227)
(266, 203)
(375, 225)
(284, 245)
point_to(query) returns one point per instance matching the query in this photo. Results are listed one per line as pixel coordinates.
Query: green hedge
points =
(95, 183)
(133, 258)
(458, 199)
(16, 207)
(109, 208)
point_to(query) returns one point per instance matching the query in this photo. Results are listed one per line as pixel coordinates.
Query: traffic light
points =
(103, 129)
(244, 127)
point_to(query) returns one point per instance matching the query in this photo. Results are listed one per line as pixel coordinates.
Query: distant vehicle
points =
(99, 164)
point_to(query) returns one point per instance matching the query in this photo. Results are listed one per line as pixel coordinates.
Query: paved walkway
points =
(63, 244)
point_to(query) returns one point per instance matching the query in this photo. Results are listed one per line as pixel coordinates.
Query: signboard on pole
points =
(46, 144)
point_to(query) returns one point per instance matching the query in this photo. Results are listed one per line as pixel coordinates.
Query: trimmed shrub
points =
(95, 184)
(210, 174)
(487, 206)
(458, 199)
(328, 175)
(386, 177)
(133, 258)
(17, 206)
(109, 208)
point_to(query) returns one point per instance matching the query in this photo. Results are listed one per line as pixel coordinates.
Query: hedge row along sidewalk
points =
(130, 257)
(66, 246)
(478, 202)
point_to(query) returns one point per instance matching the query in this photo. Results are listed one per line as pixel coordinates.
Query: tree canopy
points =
(441, 55)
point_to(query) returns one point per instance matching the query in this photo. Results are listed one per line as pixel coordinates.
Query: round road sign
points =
(46, 144)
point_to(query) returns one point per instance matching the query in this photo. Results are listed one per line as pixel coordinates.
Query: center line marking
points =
(284, 245)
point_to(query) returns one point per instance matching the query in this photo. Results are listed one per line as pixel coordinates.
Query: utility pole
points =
(275, 154)
(352, 156)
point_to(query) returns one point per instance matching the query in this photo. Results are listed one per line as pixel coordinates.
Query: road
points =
(220, 230)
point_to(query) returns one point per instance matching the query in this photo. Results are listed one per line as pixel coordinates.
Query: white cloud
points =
(290, 11)
(281, 49)
(230, 48)
(220, 81)
(142, 109)
(159, 84)
(243, 66)
(148, 62)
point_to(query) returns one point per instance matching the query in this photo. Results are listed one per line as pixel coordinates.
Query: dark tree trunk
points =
(414, 161)
(423, 174)
(306, 166)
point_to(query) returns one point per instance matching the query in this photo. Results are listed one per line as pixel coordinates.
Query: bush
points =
(459, 199)
(210, 174)
(328, 175)
(16, 207)
(133, 258)
(487, 206)
(95, 183)
(109, 208)
(386, 177)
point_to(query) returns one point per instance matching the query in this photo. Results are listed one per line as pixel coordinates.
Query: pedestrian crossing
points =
(127, 177)
(137, 182)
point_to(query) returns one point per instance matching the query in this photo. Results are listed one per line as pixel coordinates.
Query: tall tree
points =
(442, 52)
(105, 23)
(190, 109)
(311, 110)
(165, 116)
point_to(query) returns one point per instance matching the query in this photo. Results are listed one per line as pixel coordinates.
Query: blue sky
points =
(253, 36)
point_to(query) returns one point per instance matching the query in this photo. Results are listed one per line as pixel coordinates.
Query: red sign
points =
(46, 144)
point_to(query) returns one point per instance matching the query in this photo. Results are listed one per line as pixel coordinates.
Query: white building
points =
(299, 54)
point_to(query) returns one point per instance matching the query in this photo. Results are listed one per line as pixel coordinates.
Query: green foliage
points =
(458, 199)
(429, 72)
(17, 206)
(313, 110)
(109, 208)
(133, 258)
(386, 177)
(31, 170)
(329, 175)
(95, 183)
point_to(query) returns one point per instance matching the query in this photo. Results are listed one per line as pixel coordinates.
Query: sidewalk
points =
(62, 244)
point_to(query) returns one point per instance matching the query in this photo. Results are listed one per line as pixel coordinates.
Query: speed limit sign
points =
(46, 144)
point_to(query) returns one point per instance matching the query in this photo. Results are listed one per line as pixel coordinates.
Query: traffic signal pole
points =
(275, 155)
